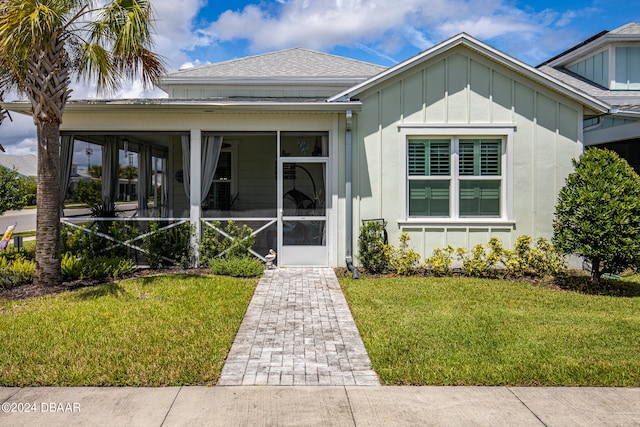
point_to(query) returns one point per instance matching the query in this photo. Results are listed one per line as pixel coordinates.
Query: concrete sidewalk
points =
(320, 406)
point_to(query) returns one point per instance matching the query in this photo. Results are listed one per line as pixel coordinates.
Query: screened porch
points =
(237, 175)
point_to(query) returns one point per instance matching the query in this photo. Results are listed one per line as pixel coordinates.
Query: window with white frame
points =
(221, 193)
(455, 177)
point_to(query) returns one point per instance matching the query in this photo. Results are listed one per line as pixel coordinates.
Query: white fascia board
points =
(239, 81)
(486, 50)
(165, 105)
(626, 114)
(597, 45)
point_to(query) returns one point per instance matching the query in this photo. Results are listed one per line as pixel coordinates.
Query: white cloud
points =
(383, 25)
(320, 24)
(26, 146)
(175, 30)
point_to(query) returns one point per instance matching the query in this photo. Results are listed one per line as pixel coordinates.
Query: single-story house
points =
(456, 145)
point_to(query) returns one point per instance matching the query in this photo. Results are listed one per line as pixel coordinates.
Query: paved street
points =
(25, 220)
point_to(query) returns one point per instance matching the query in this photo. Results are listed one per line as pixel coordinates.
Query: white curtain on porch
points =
(144, 180)
(186, 165)
(110, 165)
(164, 212)
(211, 146)
(66, 157)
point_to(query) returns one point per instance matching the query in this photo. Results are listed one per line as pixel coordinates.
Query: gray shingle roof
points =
(26, 165)
(290, 64)
(624, 99)
(621, 100)
(630, 28)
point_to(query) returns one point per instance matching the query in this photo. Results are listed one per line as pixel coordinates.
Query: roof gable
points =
(293, 65)
(482, 49)
(627, 33)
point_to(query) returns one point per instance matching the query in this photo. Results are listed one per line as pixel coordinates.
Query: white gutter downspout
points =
(598, 124)
(349, 196)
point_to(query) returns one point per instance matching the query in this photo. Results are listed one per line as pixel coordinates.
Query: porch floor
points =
(298, 330)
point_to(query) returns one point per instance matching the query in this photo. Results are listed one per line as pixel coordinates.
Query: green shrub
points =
(374, 253)
(155, 246)
(215, 245)
(18, 271)
(479, 262)
(403, 260)
(27, 251)
(598, 213)
(236, 266)
(180, 241)
(81, 243)
(70, 267)
(440, 262)
(540, 260)
(174, 243)
(15, 191)
(103, 267)
(89, 192)
(121, 232)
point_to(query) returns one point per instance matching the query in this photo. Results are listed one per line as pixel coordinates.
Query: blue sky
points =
(196, 32)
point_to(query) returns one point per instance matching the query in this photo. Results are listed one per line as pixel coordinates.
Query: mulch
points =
(30, 290)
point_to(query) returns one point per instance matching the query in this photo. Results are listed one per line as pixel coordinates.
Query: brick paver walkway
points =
(298, 330)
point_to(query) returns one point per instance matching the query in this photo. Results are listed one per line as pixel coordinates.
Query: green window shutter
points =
(490, 157)
(429, 157)
(417, 158)
(480, 198)
(480, 157)
(429, 198)
(439, 157)
(467, 157)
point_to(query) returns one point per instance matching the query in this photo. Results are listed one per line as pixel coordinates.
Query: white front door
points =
(302, 214)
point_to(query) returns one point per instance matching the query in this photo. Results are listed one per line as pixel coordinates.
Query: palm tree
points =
(43, 43)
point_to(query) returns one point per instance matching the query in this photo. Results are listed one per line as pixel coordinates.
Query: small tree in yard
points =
(14, 190)
(43, 45)
(598, 213)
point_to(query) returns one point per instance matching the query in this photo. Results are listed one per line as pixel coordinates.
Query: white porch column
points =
(195, 177)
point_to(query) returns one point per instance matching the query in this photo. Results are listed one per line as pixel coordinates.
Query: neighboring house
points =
(607, 66)
(456, 145)
(26, 165)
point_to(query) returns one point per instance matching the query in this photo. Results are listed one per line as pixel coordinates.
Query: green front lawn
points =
(461, 331)
(151, 331)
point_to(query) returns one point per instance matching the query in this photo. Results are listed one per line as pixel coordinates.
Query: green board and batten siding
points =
(462, 89)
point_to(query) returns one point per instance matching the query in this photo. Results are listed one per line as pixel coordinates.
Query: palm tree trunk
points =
(48, 216)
